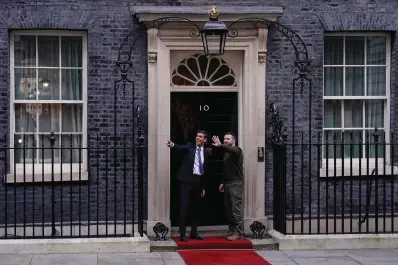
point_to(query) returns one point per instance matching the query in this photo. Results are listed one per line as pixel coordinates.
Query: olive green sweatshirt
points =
(233, 163)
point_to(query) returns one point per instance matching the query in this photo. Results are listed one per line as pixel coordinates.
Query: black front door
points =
(216, 113)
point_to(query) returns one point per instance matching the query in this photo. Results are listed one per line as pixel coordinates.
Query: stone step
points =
(265, 244)
(170, 245)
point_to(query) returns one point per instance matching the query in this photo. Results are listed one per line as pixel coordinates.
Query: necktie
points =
(200, 162)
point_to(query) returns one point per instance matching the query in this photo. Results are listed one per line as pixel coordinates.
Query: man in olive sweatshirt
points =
(232, 184)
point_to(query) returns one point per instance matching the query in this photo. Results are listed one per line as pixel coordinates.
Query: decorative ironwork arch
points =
(298, 45)
(124, 62)
(125, 71)
(124, 65)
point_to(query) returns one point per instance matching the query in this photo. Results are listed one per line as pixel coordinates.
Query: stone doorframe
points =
(252, 40)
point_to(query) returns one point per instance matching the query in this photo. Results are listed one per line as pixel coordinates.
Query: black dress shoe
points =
(183, 239)
(196, 236)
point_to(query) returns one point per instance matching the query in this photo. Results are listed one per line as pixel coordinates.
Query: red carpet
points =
(222, 257)
(213, 242)
(216, 250)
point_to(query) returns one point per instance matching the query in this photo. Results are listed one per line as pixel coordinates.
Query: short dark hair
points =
(230, 133)
(202, 132)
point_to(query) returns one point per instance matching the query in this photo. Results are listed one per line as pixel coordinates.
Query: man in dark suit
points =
(192, 181)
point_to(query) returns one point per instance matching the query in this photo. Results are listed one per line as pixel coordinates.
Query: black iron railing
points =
(340, 183)
(52, 188)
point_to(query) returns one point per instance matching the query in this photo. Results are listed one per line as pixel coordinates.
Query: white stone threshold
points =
(75, 245)
(338, 241)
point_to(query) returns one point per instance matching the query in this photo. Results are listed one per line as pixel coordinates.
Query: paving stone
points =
(21, 259)
(380, 262)
(123, 255)
(273, 255)
(174, 262)
(170, 255)
(282, 262)
(65, 259)
(367, 255)
(127, 261)
(327, 261)
(314, 253)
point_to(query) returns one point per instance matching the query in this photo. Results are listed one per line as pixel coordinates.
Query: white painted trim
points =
(347, 171)
(20, 174)
(355, 34)
(214, 89)
(50, 32)
(355, 97)
(251, 114)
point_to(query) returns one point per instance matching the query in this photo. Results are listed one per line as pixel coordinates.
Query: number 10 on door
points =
(204, 108)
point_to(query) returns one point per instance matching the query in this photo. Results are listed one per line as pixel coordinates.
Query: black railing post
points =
(376, 136)
(140, 170)
(6, 151)
(284, 183)
(52, 144)
(279, 180)
(278, 140)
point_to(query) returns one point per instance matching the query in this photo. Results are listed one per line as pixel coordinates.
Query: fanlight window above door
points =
(199, 70)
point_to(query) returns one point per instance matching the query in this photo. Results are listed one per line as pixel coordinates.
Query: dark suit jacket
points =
(185, 173)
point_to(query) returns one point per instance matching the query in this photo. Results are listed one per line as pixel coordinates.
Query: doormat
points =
(219, 251)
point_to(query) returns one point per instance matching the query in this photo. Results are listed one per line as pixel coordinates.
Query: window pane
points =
(48, 51)
(374, 113)
(333, 81)
(48, 84)
(354, 81)
(24, 51)
(333, 52)
(24, 148)
(49, 118)
(72, 80)
(331, 137)
(352, 138)
(71, 49)
(353, 113)
(70, 148)
(25, 117)
(355, 50)
(72, 115)
(45, 151)
(376, 81)
(25, 84)
(371, 148)
(332, 114)
(376, 50)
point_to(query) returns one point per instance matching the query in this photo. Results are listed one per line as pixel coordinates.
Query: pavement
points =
(321, 257)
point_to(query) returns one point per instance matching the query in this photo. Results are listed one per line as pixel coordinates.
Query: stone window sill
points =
(356, 171)
(46, 177)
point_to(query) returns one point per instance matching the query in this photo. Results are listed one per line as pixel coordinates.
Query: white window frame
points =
(383, 166)
(24, 174)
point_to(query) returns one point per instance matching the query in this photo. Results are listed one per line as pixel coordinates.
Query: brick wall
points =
(108, 22)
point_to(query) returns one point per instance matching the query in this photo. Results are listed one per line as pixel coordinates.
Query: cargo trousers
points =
(233, 200)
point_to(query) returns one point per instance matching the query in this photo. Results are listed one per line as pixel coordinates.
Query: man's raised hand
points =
(169, 144)
(216, 141)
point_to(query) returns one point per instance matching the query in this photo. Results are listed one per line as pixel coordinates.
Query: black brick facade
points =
(108, 22)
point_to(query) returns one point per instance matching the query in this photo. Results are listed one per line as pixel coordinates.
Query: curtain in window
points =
(71, 58)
